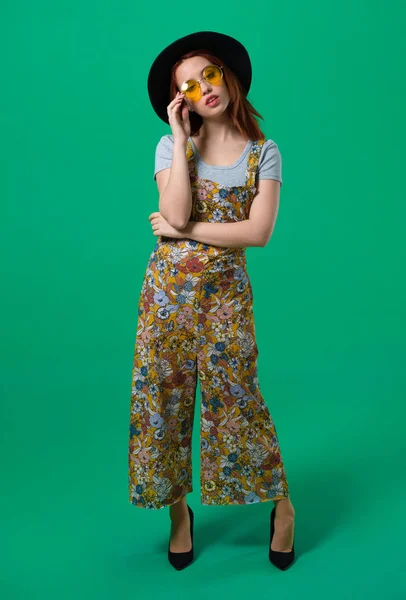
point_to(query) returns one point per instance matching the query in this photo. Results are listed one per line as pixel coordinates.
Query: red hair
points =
(240, 109)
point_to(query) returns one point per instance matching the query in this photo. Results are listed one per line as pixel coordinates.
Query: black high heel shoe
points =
(282, 560)
(180, 560)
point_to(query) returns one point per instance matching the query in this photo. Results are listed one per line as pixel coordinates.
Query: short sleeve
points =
(163, 153)
(270, 162)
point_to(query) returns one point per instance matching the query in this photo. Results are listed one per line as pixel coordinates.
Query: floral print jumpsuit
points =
(195, 320)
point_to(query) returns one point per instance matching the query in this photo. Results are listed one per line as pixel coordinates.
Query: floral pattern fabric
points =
(196, 321)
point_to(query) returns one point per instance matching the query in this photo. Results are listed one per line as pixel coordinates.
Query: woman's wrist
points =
(179, 144)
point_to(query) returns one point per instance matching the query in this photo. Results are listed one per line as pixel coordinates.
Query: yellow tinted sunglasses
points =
(191, 88)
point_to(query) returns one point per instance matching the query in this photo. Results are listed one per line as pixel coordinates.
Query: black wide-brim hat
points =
(227, 48)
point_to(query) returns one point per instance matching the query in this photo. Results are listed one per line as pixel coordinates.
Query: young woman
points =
(219, 182)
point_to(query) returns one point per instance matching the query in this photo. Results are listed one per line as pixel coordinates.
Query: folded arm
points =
(254, 231)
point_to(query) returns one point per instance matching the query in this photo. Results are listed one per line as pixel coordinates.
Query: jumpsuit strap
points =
(253, 160)
(189, 150)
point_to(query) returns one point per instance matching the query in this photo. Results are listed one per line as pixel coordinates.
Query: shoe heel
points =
(282, 560)
(181, 560)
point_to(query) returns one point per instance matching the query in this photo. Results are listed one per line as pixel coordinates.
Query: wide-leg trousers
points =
(196, 322)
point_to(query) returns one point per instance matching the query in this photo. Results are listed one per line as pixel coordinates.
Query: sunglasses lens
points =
(191, 88)
(212, 74)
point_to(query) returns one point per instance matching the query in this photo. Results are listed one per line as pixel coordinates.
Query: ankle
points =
(284, 508)
(179, 510)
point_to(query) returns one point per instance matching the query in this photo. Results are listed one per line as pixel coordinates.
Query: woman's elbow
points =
(178, 223)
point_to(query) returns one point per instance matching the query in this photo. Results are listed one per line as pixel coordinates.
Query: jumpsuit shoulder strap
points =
(253, 160)
(189, 150)
(190, 157)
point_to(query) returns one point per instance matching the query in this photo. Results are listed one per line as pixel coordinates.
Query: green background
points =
(77, 158)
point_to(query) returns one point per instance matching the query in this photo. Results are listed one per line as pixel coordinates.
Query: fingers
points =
(179, 95)
(185, 115)
(173, 106)
(176, 101)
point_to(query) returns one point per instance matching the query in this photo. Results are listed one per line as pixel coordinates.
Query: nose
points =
(206, 87)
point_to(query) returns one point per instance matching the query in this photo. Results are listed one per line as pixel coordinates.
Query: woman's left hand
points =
(160, 226)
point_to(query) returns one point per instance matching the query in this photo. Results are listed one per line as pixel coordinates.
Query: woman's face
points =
(192, 68)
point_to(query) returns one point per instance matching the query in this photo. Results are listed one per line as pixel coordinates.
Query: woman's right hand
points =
(178, 114)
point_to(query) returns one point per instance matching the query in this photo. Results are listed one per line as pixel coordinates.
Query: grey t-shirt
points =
(269, 166)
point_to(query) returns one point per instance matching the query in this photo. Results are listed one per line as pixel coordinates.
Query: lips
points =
(210, 98)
